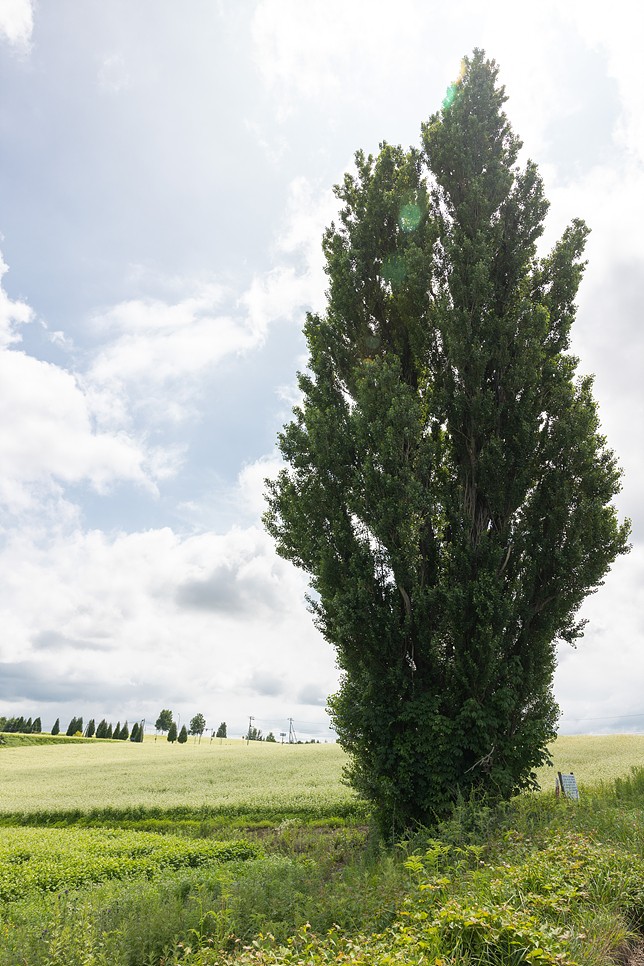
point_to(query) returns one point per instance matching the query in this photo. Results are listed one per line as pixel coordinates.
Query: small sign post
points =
(567, 786)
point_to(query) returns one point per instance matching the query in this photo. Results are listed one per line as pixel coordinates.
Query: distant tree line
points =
(164, 723)
(255, 734)
(103, 730)
(21, 726)
(167, 725)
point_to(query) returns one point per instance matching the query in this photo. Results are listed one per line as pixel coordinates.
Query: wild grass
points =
(34, 860)
(540, 886)
(136, 920)
(17, 740)
(534, 881)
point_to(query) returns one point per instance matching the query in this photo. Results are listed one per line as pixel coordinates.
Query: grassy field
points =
(593, 758)
(229, 775)
(232, 775)
(228, 854)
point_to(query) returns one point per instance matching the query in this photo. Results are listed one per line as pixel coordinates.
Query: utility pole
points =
(292, 737)
(251, 718)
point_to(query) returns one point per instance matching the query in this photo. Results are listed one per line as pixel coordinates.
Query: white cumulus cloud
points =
(13, 313)
(149, 619)
(16, 21)
(154, 353)
(48, 432)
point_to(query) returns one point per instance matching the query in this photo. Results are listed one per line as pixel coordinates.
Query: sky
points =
(166, 173)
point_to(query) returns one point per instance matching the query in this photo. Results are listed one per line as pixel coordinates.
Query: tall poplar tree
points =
(447, 487)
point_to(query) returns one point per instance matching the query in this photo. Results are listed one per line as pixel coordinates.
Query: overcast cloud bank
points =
(165, 181)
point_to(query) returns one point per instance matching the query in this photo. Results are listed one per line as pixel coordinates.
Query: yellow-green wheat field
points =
(224, 774)
(232, 774)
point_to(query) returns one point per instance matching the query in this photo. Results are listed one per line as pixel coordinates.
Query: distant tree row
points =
(76, 727)
(104, 730)
(166, 723)
(255, 734)
(21, 726)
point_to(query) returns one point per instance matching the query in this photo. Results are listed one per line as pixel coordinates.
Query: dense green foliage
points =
(164, 720)
(20, 725)
(74, 727)
(447, 487)
(554, 897)
(537, 881)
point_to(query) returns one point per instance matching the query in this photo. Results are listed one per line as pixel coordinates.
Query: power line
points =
(300, 721)
(607, 717)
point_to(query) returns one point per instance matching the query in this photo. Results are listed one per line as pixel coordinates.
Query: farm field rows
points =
(232, 775)
(593, 758)
(259, 855)
(34, 860)
(226, 776)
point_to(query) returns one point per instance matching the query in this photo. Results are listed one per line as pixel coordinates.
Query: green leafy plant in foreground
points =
(45, 860)
(534, 881)
(558, 897)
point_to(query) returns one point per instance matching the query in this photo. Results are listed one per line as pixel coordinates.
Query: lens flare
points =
(409, 217)
(448, 100)
(452, 90)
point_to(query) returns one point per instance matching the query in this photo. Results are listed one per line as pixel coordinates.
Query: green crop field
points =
(224, 775)
(36, 860)
(232, 774)
(121, 854)
(593, 758)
